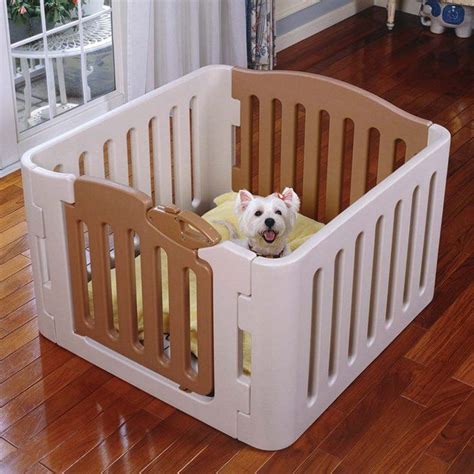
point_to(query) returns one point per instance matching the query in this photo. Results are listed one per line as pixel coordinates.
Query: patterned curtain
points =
(261, 34)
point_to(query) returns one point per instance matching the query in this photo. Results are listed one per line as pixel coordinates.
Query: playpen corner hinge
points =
(243, 389)
(36, 221)
(245, 320)
(234, 111)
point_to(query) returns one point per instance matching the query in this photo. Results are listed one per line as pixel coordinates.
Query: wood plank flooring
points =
(412, 410)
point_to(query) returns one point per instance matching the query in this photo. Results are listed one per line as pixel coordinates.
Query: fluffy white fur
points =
(267, 221)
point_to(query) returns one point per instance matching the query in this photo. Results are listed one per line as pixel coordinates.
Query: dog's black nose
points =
(269, 222)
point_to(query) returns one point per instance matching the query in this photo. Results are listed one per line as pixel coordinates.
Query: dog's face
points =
(267, 220)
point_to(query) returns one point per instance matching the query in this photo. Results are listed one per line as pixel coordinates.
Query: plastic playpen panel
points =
(126, 211)
(317, 94)
(346, 298)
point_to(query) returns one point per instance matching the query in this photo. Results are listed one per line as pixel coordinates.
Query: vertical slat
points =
(288, 144)
(77, 261)
(141, 159)
(100, 279)
(401, 252)
(311, 162)
(118, 166)
(357, 289)
(336, 317)
(265, 146)
(183, 188)
(334, 175)
(418, 240)
(95, 163)
(163, 171)
(205, 333)
(366, 262)
(241, 178)
(179, 317)
(152, 302)
(126, 291)
(323, 343)
(71, 166)
(431, 242)
(360, 159)
(197, 161)
(155, 139)
(314, 288)
(386, 156)
(385, 259)
(345, 307)
(412, 149)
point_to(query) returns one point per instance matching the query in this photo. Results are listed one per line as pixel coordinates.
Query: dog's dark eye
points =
(258, 213)
(278, 212)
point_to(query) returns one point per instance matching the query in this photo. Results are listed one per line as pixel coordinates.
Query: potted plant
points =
(24, 16)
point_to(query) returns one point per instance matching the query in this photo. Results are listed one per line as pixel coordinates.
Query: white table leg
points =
(25, 71)
(391, 6)
(89, 71)
(61, 80)
(51, 87)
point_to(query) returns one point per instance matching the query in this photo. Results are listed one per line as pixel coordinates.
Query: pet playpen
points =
(316, 318)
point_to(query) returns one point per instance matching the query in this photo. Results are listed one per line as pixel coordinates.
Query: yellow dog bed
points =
(224, 211)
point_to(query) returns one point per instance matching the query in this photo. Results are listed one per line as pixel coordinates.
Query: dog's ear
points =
(291, 199)
(243, 200)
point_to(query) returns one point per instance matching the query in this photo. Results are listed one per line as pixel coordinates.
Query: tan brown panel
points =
(179, 318)
(265, 147)
(77, 261)
(126, 291)
(180, 234)
(347, 162)
(386, 157)
(241, 174)
(288, 144)
(204, 300)
(400, 153)
(335, 155)
(311, 162)
(103, 315)
(413, 146)
(374, 146)
(360, 160)
(318, 93)
(152, 304)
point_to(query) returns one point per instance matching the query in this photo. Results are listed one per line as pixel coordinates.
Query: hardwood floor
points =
(411, 410)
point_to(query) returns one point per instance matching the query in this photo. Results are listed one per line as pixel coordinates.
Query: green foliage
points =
(57, 11)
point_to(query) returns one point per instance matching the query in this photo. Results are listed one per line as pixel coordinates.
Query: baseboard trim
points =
(321, 23)
(10, 169)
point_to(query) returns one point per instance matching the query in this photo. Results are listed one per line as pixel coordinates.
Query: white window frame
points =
(14, 144)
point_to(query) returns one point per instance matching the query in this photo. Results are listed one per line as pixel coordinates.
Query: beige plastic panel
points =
(317, 93)
(179, 233)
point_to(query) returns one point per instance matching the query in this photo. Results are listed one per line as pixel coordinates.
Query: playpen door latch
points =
(184, 227)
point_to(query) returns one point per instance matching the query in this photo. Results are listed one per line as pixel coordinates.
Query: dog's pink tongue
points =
(269, 235)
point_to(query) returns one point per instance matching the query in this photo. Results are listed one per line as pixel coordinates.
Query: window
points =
(63, 63)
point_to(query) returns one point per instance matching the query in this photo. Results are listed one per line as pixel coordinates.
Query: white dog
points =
(267, 221)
